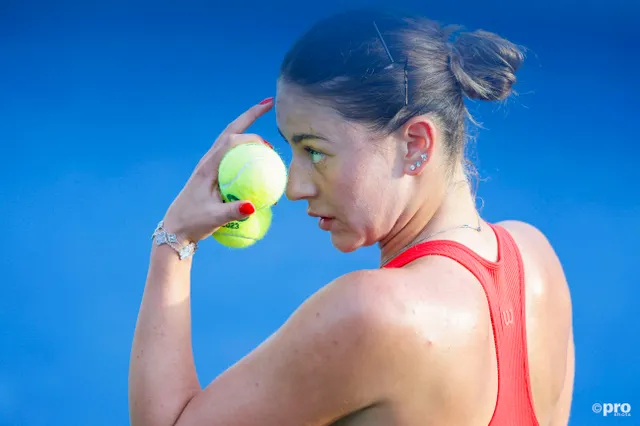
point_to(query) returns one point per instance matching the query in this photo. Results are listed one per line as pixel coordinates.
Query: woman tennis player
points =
(465, 322)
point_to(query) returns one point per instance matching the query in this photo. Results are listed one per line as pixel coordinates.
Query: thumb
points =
(237, 210)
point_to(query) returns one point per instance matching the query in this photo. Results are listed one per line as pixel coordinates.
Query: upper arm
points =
(562, 411)
(312, 371)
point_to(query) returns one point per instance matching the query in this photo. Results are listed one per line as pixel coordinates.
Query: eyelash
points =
(313, 152)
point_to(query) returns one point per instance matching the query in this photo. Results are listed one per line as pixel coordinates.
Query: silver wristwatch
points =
(163, 237)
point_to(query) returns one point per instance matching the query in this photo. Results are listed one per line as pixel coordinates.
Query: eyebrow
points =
(299, 137)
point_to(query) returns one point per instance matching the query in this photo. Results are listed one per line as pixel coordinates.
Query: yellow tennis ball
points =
(246, 232)
(252, 172)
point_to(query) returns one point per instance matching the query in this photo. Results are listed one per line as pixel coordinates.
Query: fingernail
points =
(266, 101)
(268, 144)
(247, 209)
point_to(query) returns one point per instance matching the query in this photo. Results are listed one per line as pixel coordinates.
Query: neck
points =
(456, 209)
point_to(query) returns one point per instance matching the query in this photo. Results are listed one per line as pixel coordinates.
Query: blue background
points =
(105, 108)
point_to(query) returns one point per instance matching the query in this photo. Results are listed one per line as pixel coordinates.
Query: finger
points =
(240, 125)
(223, 145)
(236, 210)
(211, 161)
(247, 118)
(235, 140)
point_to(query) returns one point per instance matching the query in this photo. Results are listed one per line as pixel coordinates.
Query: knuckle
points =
(234, 140)
(203, 170)
(252, 137)
(223, 143)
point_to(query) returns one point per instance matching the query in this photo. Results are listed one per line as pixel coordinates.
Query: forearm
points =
(162, 375)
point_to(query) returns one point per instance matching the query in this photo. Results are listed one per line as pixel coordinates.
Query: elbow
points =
(159, 414)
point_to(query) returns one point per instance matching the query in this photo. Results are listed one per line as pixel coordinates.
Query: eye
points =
(316, 156)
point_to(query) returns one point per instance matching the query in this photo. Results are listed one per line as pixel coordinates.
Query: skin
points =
(373, 347)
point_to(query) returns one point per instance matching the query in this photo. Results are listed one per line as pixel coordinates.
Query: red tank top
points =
(503, 284)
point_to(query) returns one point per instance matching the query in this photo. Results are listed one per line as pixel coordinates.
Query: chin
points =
(344, 246)
(348, 242)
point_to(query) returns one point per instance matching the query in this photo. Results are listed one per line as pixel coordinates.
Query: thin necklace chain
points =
(420, 240)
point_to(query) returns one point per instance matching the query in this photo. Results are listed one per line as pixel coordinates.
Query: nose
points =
(300, 185)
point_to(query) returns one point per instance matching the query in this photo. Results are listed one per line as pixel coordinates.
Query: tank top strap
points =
(483, 269)
(502, 280)
(503, 284)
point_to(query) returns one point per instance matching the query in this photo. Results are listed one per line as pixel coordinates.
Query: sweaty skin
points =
(410, 346)
(446, 345)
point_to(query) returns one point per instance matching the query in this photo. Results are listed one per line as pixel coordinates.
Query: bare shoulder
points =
(345, 314)
(350, 317)
(364, 314)
(546, 284)
(316, 368)
(342, 333)
(354, 304)
(527, 234)
(536, 249)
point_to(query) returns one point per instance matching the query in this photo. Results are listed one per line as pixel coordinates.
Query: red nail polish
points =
(268, 144)
(247, 209)
(266, 101)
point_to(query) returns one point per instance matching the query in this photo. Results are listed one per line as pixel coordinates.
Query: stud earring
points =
(423, 157)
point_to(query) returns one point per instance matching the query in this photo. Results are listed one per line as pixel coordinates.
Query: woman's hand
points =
(198, 210)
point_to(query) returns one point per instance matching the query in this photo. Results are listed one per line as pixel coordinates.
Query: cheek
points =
(364, 192)
(347, 192)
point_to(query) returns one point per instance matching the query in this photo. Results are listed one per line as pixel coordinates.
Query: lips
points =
(324, 222)
(318, 215)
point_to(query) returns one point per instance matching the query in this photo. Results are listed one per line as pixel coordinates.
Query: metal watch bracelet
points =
(163, 237)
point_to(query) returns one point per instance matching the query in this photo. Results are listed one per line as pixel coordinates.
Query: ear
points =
(419, 133)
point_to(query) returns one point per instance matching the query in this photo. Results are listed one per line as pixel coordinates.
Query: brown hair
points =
(381, 70)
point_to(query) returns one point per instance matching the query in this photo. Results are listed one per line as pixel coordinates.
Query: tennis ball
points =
(252, 172)
(246, 232)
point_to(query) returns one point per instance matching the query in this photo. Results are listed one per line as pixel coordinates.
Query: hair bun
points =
(484, 64)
